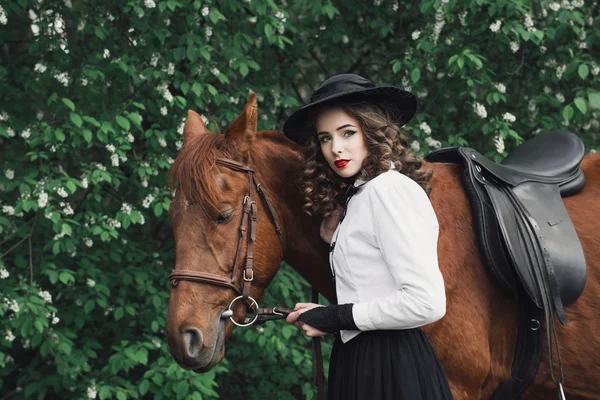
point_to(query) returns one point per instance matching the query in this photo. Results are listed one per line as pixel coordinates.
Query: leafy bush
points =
(92, 101)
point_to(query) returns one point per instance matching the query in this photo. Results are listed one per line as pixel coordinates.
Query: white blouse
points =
(385, 256)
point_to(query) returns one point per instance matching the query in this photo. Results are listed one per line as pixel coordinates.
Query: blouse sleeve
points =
(406, 232)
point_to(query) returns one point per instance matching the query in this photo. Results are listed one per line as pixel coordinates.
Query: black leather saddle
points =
(524, 232)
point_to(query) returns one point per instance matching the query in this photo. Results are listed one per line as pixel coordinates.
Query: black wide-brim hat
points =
(401, 104)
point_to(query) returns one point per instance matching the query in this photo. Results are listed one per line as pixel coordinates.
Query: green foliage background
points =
(92, 99)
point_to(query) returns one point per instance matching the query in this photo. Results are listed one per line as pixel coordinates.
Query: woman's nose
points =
(336, 146)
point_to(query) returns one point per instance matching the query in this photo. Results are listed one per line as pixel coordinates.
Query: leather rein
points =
(241, 286)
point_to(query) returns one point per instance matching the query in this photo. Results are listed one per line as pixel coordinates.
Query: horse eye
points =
(224, 217)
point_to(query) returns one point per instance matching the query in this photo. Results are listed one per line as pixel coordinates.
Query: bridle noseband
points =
(247, 228)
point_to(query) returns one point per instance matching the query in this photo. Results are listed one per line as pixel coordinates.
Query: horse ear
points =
(194, 126)
(246, 123)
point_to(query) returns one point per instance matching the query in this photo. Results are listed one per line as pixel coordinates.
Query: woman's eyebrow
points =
(341, 127)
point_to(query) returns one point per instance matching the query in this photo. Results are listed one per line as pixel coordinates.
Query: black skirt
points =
(386, 365)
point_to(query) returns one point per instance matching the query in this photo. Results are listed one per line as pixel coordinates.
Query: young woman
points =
(383, 232)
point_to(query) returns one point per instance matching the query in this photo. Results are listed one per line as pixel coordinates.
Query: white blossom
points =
(554, 6)
(499, 142)
(62, 192)
(113, 223)
(90, 282)
(91, 392)
(415, 146)
(3, 19)
(46, 296)
(144, 183)
(509, 117)
(126, 208)
(4, 273)
(528, 23)
(106, 53)
(114, 159)
(595, 70)
(84, 81)
(26, 134)
(42, 199)
(41, 68)
(11, 305)
(416, 34)
(495, 27)
(560, 70)
(208, 31)
(178, 144)
(10, 174)
(62, 78)
(215, 71)
(11, 133)
(543, 49)
(3, 116)
(9, 336)
(149, 3)
(463, 18)
(67, 209)
(110, 148)
(514, 47)
(431, 142)
(500, 87)
(84, 183)
(154, 59)
(163, 110)
(480, 110)
(148, 201)
(8, 210)
(252, 20)
(156, 343)
(130, 138)
(205, 11)
(171, 69)
(162, 142)
(55, 319)
(88, 241)
(559, 96)
(425, 128)
(39, 115)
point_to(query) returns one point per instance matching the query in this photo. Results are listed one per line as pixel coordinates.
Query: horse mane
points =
(192, 174)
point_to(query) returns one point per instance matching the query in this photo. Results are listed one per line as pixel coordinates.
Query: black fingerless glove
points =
(330, 319)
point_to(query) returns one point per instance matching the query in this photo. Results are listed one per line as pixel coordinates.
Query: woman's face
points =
(342, 141)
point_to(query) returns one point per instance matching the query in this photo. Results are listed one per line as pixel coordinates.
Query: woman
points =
(383, 235)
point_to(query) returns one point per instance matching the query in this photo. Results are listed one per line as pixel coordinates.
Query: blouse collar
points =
(359, 182)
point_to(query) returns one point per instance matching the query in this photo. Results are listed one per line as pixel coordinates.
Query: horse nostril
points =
(192, 342)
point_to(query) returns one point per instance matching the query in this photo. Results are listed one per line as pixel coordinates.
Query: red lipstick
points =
(341, 163)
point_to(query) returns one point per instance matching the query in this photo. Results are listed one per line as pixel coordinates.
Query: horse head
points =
(235, 206)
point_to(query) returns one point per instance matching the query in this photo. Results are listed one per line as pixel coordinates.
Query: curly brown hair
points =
(324, 189)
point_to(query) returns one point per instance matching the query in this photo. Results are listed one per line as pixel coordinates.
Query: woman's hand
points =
(330, 223)
(299, 309)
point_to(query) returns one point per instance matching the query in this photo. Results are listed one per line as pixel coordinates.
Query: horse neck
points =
(305, 251)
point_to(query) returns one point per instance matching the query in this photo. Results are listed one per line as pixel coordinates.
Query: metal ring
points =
(535, 324)
(174, 282)
(237, 323)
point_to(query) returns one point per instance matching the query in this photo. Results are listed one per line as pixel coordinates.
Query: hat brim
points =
(401, 103)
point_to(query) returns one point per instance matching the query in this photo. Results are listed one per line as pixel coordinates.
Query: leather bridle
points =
(241, 283)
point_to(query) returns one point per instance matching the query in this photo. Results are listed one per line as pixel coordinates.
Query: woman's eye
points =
(224, 217)
(324, 139)
(349, 133)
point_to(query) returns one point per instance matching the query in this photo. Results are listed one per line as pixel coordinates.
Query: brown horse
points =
(474, 341)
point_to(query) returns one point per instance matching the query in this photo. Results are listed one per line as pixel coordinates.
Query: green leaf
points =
(135, 118)
(76, 119)
(139, 105)
(121, 396)
(415, 75)
(68, 103)
(66, 229)
(396, 67)
(89, 306)
(583, 71)
(158, 209)
(154, 326)
(87, 135)
(144, 386)
(581, 104)
(197, 88)
(244, 69)
(568, 112)
(123, 123)
(104, 392)
(594, 99)
(119, 312)
(66, 277)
